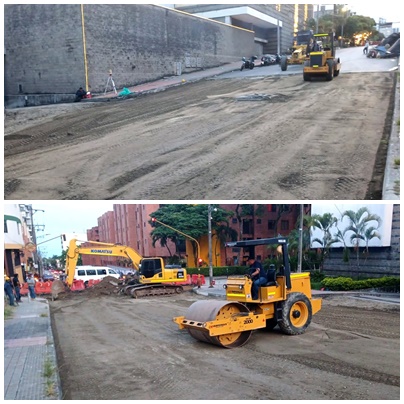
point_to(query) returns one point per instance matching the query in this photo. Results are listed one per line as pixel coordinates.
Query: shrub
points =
(343, 283)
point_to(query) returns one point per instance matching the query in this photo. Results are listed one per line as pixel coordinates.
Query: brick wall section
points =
(139, 43)
(43, 48)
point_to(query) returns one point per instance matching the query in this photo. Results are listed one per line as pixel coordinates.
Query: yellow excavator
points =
(154, 278)
(285, 300)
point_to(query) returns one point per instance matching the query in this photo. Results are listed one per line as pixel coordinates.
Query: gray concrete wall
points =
(139, 43)
(43, 49)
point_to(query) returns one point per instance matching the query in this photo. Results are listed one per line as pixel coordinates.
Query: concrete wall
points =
(139, 43)
(43, 49)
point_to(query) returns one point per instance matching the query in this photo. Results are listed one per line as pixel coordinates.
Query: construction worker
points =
(80, 94)
(257, 276)
(8, 289)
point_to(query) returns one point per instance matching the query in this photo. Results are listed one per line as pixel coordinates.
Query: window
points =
(258, 221)
(234, 220)
(91, 272)
(247, 226)
(273, 208)
(111, 271)
(285, 225)
(81, 272)
(101, 271)
(271, 224)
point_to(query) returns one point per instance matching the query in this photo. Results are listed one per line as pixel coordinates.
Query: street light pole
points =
(299, 266)
(210, 245)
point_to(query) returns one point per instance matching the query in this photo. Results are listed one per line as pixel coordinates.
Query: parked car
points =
(267, 60)
(48, 276)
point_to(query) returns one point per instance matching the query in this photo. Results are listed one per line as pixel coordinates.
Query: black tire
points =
(296, 314)
(251, 66)
(330, 73)
(284, 63)
(242, 67)
(336, 72)
(271, 324)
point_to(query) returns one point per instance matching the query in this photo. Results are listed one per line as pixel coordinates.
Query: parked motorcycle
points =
(248, 64)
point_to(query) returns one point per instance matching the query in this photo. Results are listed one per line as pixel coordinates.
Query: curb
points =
(391, 181)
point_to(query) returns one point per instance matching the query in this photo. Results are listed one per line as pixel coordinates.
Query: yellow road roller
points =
(285, 300)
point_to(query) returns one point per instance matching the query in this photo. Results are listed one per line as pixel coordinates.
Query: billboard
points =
(384, 211)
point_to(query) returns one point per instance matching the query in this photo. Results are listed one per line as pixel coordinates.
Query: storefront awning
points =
(12, 218)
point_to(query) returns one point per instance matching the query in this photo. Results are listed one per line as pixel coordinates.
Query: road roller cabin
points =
(285, 300)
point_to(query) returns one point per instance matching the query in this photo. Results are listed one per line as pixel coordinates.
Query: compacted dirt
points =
(114, 347)
(261, 138)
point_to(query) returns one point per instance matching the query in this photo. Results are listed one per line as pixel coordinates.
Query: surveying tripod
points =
(110, 81)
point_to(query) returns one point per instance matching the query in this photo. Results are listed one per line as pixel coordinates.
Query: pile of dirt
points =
(108, 286)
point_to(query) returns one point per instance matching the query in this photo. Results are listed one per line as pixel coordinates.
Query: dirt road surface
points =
(254, 138)
(115, 347)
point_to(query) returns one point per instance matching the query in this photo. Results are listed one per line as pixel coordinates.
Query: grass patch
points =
(397, 162)
(44, 315)
(8, 312)
(50, 388)
(48, 369)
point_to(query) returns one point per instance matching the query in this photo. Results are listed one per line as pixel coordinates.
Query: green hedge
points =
(343, 283)
(219, 271)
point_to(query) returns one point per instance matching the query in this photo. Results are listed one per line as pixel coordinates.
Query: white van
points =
(87, 272)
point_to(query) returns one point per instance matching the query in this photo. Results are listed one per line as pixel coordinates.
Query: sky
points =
(387, 9)
(65, 217)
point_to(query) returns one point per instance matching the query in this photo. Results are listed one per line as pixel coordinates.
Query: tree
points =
(191, 220)
(358, 227)
(324, 223)
(224, 233)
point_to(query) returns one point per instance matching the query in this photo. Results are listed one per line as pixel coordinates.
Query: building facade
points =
(274, 25)
(19, 246)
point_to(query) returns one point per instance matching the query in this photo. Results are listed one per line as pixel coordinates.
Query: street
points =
(239, 135)
(115, 347)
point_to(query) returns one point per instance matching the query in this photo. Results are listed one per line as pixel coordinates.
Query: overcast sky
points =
(66, 217)
(386, 9)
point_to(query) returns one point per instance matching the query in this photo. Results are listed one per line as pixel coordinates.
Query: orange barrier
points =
(92, 282)
(77, 285)
(24, 289)
(195, 279)
(188, 281)
(43, 288)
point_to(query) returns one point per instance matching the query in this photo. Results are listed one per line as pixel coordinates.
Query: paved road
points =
(353, 61)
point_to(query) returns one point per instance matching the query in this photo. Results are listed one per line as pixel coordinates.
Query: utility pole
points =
(299, 266)
(210, 245)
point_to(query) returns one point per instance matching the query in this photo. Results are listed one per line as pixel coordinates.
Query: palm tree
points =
(358, 224)
(370, 233)
(324, 223)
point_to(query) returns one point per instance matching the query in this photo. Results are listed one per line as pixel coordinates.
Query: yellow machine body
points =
(322, 63)
(286, 300)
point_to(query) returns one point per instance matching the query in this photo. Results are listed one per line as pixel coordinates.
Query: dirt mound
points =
(108, 286)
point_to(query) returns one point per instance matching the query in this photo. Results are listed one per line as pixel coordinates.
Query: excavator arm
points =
(97, 248)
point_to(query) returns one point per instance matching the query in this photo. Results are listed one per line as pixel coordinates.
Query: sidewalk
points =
(30, 368)
(162, 84)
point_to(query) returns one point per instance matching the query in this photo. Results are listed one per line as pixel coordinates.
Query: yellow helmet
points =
(6, 278)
